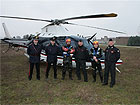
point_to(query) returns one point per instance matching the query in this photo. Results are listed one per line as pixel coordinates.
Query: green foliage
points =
(134, 41)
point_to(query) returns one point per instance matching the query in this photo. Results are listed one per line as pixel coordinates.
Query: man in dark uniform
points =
(96, 54)
(81, 55)
(68, 51)
(52, 51)
(34, 51)
(112, 55)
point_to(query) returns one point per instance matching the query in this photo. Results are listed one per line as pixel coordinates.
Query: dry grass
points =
(16, 89)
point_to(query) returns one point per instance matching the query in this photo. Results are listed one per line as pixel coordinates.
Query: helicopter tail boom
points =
(7, 35)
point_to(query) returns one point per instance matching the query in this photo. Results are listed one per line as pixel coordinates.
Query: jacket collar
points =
(111, 46)
(52, 45)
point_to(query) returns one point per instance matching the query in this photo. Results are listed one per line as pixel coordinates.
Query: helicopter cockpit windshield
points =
(61, 41)
(74, 41)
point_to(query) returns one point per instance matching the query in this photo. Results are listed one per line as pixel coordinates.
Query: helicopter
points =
(55, 29)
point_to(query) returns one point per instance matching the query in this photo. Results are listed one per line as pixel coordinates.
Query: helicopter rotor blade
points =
(91, 16)
(91, 37)
(98, 28)
(26, 18)
(62, 21)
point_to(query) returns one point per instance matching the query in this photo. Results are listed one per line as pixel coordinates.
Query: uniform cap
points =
(80, 40)
(36, 38)
(53, 39)
(110, 39)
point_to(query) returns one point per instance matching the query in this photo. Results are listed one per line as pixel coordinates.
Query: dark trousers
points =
(81, 64)
(67, 67)
(31, 67)
(110, 67)
(48, 69)
(97, 66)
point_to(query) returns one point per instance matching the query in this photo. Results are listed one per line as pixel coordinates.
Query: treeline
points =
(134, 41)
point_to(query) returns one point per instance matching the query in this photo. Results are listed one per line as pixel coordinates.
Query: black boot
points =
(94, 75)
(63, 78)
(55, 73)
(101, 75)
(63, 75)
(55, 76)
(111, 85)
(46, 76)
(101, 80)
(79, 78)
(29, 78)
(38, 78)
(85, 80)
(70, 75)
(94, 80)
(105, 84)
(70, 78)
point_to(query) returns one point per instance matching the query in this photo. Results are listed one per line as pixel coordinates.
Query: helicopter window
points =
(61, 41)
(87, 45)
(73, 43)
(45, 43)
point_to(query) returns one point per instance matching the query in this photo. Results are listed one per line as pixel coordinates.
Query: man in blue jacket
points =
(34, 51)
(96, 54)
(52, 51)
(112, 55)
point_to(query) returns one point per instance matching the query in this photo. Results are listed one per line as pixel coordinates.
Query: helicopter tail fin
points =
(7, 35)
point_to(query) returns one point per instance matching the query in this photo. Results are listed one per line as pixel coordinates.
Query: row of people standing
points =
(81, 55)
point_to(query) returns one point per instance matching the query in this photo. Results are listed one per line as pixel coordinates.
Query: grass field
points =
(17, 89)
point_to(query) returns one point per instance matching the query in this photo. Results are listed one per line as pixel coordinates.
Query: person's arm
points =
(91, 53)
(64, 48)
(46, 50)
(28, 50)
(41, 48)
(117, 54)
(59, 51)
(100, 54)
(72, 50)
(75, 52)
(87, 54)
(105, 52)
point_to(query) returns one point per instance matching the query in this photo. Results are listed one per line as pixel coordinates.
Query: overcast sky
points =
(128, 19)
